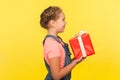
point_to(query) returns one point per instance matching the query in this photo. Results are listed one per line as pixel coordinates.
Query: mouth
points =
(64, 26)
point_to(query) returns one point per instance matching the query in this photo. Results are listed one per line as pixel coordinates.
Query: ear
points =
(52, 23)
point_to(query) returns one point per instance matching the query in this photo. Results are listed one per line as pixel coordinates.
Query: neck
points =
(52, 32)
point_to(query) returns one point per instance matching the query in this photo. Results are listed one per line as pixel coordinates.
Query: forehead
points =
(61, 14)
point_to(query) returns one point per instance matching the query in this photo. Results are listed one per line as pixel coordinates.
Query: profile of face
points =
(60, 23)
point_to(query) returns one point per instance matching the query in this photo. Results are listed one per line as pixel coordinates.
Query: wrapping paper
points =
(81, 45)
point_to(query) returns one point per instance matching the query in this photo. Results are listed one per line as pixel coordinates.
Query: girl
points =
(56, 53)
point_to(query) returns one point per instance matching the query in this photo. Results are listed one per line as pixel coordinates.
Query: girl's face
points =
(60, 23)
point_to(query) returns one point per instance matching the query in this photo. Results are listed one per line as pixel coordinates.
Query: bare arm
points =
(57, 72)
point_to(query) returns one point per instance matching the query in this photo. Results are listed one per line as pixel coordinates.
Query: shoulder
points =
(52, 48)
(51, 41)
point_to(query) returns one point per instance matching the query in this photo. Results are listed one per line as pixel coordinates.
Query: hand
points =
(79, 60)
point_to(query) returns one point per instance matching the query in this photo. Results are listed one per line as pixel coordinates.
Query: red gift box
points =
(81, 45)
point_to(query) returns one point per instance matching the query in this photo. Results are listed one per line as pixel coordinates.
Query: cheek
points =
(62, 23)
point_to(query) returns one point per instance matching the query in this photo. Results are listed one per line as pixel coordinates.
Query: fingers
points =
(80, 59)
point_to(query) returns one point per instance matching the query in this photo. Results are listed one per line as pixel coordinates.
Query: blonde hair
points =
(50, 13)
